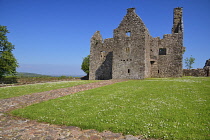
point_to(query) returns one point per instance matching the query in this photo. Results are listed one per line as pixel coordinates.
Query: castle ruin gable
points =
(133, 53)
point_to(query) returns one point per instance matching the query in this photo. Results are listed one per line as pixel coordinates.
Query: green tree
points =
(8, 63)
(189, 62)
(86, 64)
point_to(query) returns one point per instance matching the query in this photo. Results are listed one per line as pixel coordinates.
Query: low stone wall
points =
(198, 72)
(194, 72)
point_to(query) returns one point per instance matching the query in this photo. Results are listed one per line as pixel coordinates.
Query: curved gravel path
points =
(12, 128)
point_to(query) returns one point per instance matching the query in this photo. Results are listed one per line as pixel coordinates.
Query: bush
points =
(86, 64)
(8, 80)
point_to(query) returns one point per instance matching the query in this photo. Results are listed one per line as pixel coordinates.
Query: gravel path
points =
(13, 128)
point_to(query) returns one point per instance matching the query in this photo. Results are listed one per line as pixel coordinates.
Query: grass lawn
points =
(8, 92)
(168, 108)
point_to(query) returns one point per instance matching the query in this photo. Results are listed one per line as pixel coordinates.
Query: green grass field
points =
(167, 108)
(8, 92)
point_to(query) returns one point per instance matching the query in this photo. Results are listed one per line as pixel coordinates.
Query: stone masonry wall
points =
(207, 67)
(194, 72)
(133, 54)
(198, 72)
(101, 56)
(129, 52)
(170, 64)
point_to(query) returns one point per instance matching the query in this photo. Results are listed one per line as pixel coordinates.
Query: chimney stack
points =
(130, 10)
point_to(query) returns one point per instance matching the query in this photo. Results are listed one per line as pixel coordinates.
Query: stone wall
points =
(198, 72)
(133, 54)
(129, 51)
(194, 72)
(101, 58)
(170, 63)
(207, 67)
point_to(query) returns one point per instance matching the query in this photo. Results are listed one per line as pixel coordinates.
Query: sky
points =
(52, 37)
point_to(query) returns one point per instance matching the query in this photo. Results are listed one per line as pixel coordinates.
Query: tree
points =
(86, 64)
(8, 63)
(189, 62)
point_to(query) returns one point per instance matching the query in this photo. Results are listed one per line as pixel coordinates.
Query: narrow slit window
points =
(129, 71)
(162, 51)
(127, 50)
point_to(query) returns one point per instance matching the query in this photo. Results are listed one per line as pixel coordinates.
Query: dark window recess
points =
(152, 62)
(208, 72)
(129, 70)
(102, 53)
(128, 33)
(162, 51)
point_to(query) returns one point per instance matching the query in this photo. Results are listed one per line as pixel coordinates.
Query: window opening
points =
(128, 33)
(162, 51)
(102, 54)
(127, 50)
(152, 62)
(129, 70)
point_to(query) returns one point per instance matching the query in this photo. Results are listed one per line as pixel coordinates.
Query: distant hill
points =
(25, 74)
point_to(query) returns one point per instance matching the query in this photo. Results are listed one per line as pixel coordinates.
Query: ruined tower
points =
(177, 21)
(133, 54)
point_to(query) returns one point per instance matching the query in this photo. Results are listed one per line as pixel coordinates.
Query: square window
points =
(162, 51)
(128, 34)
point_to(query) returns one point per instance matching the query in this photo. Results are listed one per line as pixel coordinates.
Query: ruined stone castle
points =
(133, 53)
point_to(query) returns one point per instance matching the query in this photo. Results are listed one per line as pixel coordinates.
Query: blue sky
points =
(53, 36)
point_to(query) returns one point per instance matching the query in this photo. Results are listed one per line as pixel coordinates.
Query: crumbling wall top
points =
(130, 10)
(97, 36)
(207, 63)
